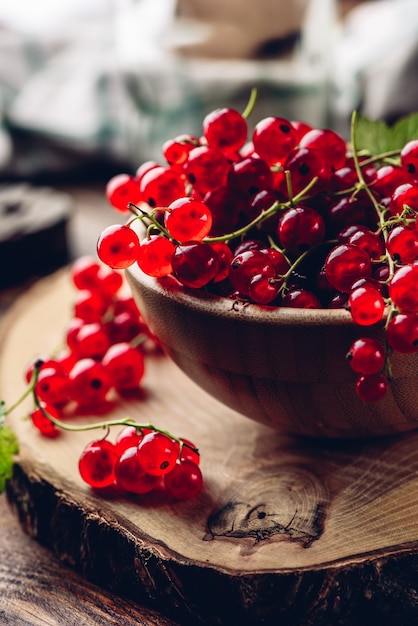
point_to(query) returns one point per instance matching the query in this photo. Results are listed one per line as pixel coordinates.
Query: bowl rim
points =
(205, 302)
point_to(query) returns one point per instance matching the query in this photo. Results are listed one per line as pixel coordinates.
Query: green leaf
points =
(377, 137)
(8, 448)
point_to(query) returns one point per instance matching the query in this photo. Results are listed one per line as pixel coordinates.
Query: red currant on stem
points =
(158, 453)
(130, 476)
(138, 460)
(122, 189)
(366, 356)
(97, 463)
(187, 219)
(184, 481)
(118, 246)
(371, 387)
(225, 129)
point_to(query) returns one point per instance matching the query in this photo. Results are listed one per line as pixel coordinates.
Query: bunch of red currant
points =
(141, 460)
(107, 342)
(293, 216)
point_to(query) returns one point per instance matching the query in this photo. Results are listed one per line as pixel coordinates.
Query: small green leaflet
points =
(8, 448)
(377, 137)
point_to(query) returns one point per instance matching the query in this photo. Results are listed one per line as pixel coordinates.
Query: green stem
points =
(144, 216)
(250, 104)
(103, 425)
(276, 206)
(379, 157)
(30, 389)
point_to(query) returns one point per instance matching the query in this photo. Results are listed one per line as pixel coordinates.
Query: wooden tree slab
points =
(286, 531)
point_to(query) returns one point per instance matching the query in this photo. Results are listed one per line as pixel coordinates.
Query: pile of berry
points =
(106, 344)
(291, 216)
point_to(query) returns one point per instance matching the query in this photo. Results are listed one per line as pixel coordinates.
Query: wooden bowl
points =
(280, 366)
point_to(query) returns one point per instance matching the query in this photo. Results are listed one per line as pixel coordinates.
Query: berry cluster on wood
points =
(291, 216)
(103, 360)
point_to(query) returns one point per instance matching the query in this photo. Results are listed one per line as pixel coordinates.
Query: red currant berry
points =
(349, 211)
(206, 169)
(250, 176)
(366, 305)
(91, 341)
(155, 256)
(299, 229)
(125, 366)
(225, 129)
(402, 244)
(403, 288)
(224, 254)
(97, 464)
(248, 264)
(404, 197)
(303, 165)
(409, 158)
(125, 326)
(84, 273)
(225, 205)
(176, 151)
(121, 190)
(301, 299)
(366, 356)
(160, 186)
(90, 306)
(345, 264)
(42, 423)
(185, 481)
(388, 177)
(371, 388)
(327, 142)
(187, 219)
(273, 139)
(263, 289)
(369, 241)
(126, 438)
(52, 386)
(195, 264)
(402, 333)
(130, 476)
(189, 451)
(118, 246)
(301, 129)
(145, 167)
(90, 382)
(110, 281)
(157, 453)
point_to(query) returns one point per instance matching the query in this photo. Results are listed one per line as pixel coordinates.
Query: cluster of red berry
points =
(140, 461)
(292, 216)
(104, 359)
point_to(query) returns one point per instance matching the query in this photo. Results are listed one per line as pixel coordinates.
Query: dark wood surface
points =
(36, 588)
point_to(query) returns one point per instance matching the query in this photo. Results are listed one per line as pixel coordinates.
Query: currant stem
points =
(363, 185)
(144, 215)
(28, 391)
(265, 214)
(250, 104)
(127, 421)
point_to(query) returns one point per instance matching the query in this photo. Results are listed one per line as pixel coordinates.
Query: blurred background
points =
(90, 88)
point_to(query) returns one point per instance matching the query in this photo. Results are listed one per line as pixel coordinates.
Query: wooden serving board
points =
(286, 531)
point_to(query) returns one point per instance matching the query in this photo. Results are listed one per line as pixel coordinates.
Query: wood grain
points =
(305, 532)
(36, 590)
